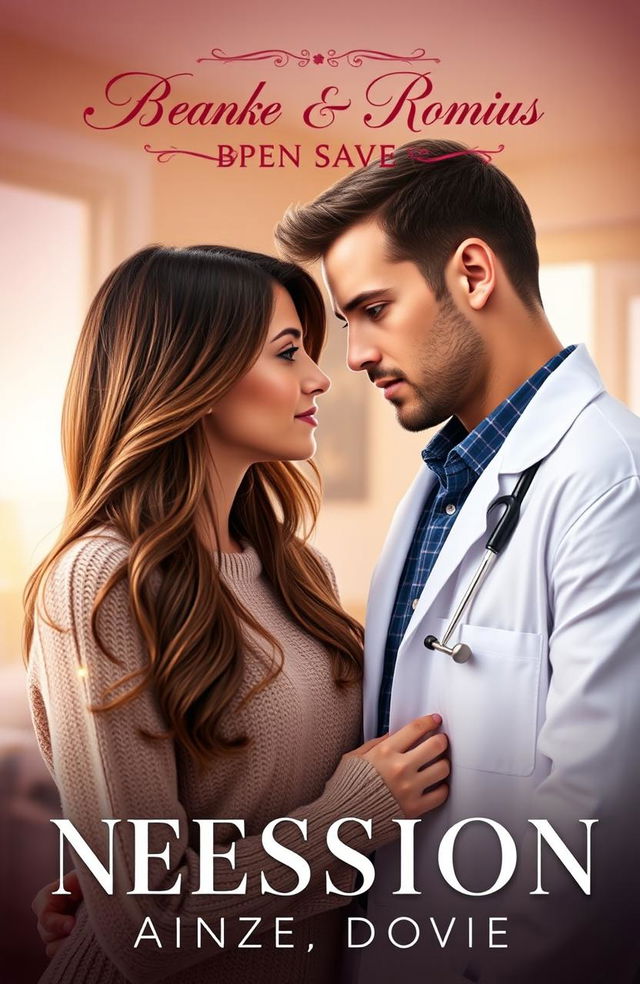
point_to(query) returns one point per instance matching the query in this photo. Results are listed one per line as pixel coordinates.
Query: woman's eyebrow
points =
(287, 331)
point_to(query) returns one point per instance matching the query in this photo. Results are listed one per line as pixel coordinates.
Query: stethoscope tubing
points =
(487, 562)
(498, 539)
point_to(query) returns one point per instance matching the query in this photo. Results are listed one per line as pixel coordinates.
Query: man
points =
(432, 264)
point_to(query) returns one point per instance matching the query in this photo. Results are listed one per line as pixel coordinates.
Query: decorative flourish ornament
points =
(354, 57)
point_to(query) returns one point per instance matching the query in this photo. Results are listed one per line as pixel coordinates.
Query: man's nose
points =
(361, 352)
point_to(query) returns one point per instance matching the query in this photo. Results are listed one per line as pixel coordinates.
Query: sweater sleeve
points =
(105, 768)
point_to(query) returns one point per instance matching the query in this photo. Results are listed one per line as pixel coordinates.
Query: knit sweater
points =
(299, 727)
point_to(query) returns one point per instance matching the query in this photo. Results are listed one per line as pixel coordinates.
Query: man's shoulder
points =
(597, 461)
(603, 441)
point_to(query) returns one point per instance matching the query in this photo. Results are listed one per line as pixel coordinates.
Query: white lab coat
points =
(544, 720)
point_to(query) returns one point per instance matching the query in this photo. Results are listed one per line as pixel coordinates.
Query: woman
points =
(188, 655)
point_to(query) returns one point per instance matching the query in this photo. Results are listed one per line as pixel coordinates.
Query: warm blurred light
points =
(633, 367)
(43, 294)
(568, 291)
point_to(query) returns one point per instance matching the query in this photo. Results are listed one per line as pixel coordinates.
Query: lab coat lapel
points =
(574, 384)
(552, 411)
(382, 592)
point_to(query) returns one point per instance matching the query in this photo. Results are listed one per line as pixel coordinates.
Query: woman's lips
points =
(308, 417)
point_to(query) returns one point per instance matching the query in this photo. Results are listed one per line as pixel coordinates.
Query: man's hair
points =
(427, 208)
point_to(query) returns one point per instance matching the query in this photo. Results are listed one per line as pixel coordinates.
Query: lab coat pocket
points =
(490, 703)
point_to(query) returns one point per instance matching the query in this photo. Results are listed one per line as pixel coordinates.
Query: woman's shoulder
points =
(322, 557)
(84, 565)
(84, 623)
(100, 547)
(326, 564)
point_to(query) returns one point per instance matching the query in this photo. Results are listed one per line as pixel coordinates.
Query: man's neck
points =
(508, 366)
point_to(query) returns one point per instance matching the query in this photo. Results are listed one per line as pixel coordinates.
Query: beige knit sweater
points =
(300, 725)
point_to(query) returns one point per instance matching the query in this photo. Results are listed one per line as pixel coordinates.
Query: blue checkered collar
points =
(459, 457)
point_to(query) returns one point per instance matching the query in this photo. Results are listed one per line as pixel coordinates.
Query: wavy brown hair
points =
(168, 334)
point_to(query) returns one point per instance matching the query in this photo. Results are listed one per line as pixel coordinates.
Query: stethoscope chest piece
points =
(461, 653)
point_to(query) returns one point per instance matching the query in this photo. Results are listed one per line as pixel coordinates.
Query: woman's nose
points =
(318, 382)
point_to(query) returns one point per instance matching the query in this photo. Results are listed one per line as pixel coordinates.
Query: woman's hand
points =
(414, 770)
(56, 912)
(411, 766)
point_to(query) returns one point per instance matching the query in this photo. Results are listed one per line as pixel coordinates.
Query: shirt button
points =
(450, 509)
(414, 603)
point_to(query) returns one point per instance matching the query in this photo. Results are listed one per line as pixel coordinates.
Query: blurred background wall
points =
(74, 201)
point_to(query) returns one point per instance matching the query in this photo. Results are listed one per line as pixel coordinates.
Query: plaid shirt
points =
(458, 459)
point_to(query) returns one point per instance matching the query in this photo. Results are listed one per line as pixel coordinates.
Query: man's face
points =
(424, 354)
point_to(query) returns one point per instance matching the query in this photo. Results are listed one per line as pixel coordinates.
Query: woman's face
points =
(270, 413)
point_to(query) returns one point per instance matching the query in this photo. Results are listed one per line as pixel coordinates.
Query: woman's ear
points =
(474, 269)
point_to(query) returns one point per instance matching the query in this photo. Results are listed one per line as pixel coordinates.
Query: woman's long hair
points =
(168, 334)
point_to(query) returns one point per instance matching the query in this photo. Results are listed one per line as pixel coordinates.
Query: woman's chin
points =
(302, 452)
(296, 451)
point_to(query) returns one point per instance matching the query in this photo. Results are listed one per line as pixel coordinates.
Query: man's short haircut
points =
(426, 208)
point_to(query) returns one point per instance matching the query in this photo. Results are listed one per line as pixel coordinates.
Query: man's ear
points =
(473, 268)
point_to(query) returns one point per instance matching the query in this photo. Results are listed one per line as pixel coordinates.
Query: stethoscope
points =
(502, 533)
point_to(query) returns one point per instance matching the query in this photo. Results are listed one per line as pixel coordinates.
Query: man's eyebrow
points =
(287, 331)
(365, 295)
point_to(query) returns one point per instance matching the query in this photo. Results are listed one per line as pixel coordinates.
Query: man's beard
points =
(457, 348)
